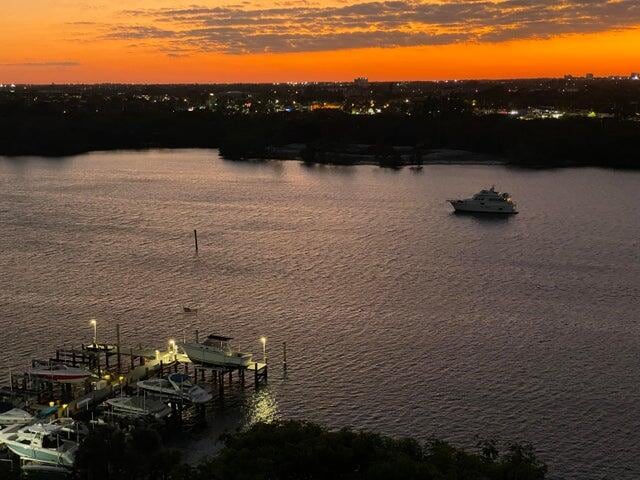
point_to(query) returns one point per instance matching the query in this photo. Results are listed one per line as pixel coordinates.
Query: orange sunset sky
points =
(164, 41)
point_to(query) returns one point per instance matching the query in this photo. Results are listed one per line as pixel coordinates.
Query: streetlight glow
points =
(94, 324)
(264, 349)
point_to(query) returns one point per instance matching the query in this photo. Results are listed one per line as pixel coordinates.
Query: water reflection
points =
(349, 263)
(484, 217)
(328, 169)
(261, 407)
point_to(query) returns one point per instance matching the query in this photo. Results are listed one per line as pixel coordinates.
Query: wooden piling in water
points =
(195, 237)
(284, 356)
(118, 347)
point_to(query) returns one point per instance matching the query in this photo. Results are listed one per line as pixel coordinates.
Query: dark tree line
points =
(298, 450)
(538, 143)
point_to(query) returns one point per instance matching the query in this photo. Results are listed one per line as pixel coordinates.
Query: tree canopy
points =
(293, 450)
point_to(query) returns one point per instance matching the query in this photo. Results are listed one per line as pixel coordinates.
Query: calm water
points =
(399, 316)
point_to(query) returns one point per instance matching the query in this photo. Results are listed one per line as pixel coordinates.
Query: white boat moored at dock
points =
(59, 372)
(216, 350)
(176, 386)
(15, 416)
(138, 407)
(40, 442)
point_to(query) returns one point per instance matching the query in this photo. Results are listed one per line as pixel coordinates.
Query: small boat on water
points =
(486, 201)
(138, 407)
(216, 350)
(189, 310)
(15, 416)
(58, 372)
(176, 386)
(40, 442)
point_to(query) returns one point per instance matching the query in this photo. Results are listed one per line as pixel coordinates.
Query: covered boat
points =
(58, 372)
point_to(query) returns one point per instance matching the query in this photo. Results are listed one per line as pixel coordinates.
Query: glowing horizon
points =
(174, 41)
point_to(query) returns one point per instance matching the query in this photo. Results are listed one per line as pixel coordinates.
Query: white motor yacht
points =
(486, 201)
(176, 386)
(216, 350)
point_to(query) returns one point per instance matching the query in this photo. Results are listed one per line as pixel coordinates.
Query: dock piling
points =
(118, 347)
(195, 238)
(284, 356)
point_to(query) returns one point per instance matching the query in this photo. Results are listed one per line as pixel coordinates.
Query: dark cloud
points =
(130, 32)
(289, 27)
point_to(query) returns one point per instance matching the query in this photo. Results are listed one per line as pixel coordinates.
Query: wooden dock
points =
(117, 367)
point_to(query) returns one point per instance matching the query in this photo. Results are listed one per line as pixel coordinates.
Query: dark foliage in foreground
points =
(539, 143)
(298, 450)
(111, 454)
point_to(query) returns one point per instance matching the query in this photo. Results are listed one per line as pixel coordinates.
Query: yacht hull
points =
(463, 207)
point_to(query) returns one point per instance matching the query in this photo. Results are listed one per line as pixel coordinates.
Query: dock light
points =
(94, 324)
(264, 349)
(172, 345)
(52, 404)
(121, 378)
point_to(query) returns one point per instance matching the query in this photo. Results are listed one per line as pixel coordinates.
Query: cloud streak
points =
(45, 64)
(238, 29)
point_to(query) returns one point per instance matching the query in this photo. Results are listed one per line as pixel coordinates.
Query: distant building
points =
(568, 77)
(589, 76)
(361, 82)
(635, 76)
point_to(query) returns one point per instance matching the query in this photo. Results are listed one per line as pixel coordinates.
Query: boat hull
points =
(79, 378)
(204, 354)
(41, 455)
(138, 407)
(463, 207)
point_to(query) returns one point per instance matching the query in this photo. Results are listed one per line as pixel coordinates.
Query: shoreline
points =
(442, 156)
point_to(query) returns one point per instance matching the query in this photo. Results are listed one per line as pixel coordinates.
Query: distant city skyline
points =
(183, 41)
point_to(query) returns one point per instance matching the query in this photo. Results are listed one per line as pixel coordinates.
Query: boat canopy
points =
(219, 338)
(43, 428)
(179, 378)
